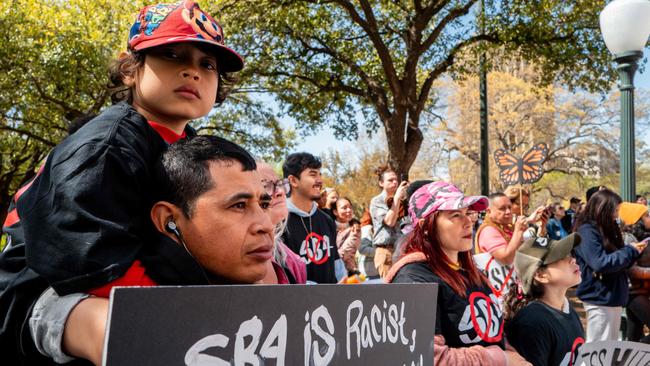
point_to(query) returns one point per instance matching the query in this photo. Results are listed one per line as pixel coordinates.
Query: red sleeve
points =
(134, 276)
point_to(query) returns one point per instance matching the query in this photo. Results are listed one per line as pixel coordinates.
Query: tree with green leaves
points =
(329, 62)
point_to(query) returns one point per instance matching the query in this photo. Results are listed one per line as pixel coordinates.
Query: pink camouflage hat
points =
(441, 196)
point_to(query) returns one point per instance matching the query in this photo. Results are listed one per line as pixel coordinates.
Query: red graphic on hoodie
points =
(315, 249)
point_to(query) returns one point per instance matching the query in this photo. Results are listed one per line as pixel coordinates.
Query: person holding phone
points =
(636, 226)
(388, 213)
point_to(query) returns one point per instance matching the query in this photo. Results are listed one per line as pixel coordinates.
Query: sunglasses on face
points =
(272, 187)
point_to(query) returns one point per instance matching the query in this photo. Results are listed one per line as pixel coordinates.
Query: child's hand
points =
(84, 331)
(640, 246)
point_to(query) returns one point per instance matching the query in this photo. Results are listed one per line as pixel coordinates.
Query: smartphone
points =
(403, 177)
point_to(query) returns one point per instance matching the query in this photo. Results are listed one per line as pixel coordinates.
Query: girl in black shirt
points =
(540, 322)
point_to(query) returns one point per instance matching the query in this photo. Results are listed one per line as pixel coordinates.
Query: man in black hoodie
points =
(310, 232)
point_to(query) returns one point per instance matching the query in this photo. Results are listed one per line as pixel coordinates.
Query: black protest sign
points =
(272, 325)
(613, 353)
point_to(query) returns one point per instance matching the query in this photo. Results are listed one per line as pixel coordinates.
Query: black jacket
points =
(85, 219)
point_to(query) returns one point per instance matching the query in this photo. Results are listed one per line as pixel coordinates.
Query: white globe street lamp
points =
(625, 25)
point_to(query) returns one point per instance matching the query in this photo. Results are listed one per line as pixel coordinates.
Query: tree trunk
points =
(403, 142)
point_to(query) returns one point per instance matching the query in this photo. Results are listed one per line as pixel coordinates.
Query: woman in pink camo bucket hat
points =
(469, 319)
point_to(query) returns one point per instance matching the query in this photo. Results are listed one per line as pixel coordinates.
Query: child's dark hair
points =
(516, 300)
(128, 63)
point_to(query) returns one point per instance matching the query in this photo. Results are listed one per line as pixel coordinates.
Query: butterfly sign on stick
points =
(525, 170)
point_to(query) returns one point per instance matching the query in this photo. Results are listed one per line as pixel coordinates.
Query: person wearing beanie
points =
(636, 227)
(541, 324)
(437, 250)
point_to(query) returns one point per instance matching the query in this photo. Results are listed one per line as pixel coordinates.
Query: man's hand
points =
(540, 214)
(400, 194)
(521, 224)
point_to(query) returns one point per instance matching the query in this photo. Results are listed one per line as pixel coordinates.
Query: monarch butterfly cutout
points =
(526, 170)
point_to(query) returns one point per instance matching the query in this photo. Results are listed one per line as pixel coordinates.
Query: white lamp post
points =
(625, 25)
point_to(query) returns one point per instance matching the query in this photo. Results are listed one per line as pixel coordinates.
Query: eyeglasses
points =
(272, 187)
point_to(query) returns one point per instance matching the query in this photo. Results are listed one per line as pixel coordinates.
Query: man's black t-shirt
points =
(545, 336)
(313, 238)
(474, 320)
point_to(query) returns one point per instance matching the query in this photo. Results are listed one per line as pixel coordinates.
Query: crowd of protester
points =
(133, 197)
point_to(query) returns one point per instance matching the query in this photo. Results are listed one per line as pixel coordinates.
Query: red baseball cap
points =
(184, 21)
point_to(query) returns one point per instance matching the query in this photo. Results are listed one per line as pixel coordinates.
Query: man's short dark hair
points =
(186, 164)
(574, 200)
(296, 163)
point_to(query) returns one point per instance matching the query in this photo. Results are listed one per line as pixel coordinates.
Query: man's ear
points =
(293, 180)
(162, 213)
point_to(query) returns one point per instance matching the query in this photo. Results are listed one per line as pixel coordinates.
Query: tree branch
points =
(444, 65)
(370, 27)
(451, 16)
(45, 96)
(29, 134)
(339, 86)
